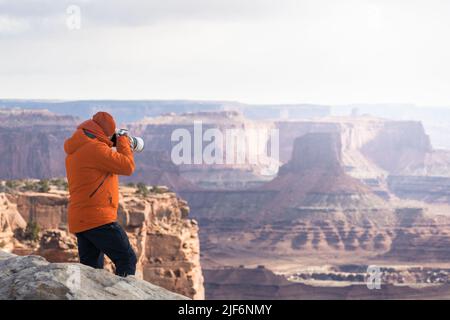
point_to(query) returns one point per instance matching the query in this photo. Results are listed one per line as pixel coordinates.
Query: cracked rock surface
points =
(35, 278)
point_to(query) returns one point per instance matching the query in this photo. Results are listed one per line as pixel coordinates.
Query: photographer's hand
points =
(122, 132)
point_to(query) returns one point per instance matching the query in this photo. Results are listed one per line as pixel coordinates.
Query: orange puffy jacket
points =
(92, 167)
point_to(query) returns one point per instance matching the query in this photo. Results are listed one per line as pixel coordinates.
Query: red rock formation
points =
(49, 211)
(399, 146)
(313, 209)
(166, 241)
(315, 178)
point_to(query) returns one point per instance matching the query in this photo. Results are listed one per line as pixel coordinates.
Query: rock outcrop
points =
(33, 278)
(10, 220)
(372, 147)
(166, 241)
(315, 178)
(164, 238)
(57, 246)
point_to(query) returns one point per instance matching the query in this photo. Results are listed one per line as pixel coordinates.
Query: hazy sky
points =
(255, 51)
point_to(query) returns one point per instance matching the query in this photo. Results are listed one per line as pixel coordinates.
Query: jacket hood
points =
(79, 138)
(106, 122)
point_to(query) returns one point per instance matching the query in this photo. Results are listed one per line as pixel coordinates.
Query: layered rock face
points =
(33, 143)
(323, 206)
(48, 210)
(399, 146)
(33, 278)
(312, 204)
(315, 210)
(354, 133)
(13, 118)
(372, 148)
(36, 138)
(315, 177)
(236, 175)
(165, 240)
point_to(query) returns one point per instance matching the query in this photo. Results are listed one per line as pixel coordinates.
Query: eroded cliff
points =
(315, 211)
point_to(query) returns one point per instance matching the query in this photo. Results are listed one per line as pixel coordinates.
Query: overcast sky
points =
(255, 51)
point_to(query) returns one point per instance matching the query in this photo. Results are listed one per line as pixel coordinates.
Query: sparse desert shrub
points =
(31, 231)
(184, 211)
(142, 189)
(29, 186)
(158, 189)
(43, 186)
(2, 244)
(131, 185)
(60, 183)
(12, 184)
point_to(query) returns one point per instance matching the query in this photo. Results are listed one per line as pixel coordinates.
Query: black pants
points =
(109, 239)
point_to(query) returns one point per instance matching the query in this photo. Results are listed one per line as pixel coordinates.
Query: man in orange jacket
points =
(92, 168)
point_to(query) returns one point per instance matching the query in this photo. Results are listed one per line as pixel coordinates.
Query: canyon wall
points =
(372, 148)
(312, 210)
(158, 132)
(33, 143)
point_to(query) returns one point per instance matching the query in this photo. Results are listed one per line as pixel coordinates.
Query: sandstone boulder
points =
(58, 246)
(33, 278)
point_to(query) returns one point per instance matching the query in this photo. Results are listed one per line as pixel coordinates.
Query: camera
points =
(137, 143)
